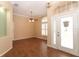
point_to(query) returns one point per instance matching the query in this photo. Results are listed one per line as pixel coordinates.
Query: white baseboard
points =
(6, 51)
(22, 38)
(41, 38)
(49, 46)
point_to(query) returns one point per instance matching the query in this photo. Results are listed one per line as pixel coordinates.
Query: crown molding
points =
(19, 15)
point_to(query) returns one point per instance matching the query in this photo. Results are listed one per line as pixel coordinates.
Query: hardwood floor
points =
(34, 47)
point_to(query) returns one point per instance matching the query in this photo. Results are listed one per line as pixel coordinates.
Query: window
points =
(54, 32)
(44, 27)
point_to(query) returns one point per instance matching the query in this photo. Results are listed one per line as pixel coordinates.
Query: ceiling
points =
(38, 8)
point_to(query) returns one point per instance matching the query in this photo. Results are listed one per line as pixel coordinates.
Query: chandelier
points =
(31, 19)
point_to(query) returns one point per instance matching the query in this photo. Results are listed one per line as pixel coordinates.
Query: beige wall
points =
(37, 25)
(49, 14)
(22, 28)
(37, 28)
(6, 41)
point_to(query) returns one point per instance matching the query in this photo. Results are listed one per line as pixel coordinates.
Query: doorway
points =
(64, 32)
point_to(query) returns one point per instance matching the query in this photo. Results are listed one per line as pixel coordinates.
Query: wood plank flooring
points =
(34, 47)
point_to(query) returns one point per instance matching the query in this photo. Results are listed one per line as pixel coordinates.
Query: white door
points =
(63, 33)
(66, 33)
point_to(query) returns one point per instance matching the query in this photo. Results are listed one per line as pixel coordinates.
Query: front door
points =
(63, 32)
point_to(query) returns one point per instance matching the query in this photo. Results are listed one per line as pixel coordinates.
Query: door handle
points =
(58, 34)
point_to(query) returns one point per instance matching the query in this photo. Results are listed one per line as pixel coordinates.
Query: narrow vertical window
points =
(54, 32)
(44, 27)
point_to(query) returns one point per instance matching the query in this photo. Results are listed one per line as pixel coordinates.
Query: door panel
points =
(67, 32)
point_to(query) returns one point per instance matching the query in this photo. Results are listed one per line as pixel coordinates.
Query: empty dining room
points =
(39, 28)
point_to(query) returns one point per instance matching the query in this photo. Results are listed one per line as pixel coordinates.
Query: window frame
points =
(44, 29)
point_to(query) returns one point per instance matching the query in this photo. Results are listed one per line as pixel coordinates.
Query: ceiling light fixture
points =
(48, 5)
(31, 19)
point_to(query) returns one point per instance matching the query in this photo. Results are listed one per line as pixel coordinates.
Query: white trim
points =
(49, 46)
(23, 38)
(27, 38)
(19, 15)
(6, 51)
(41, 38)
